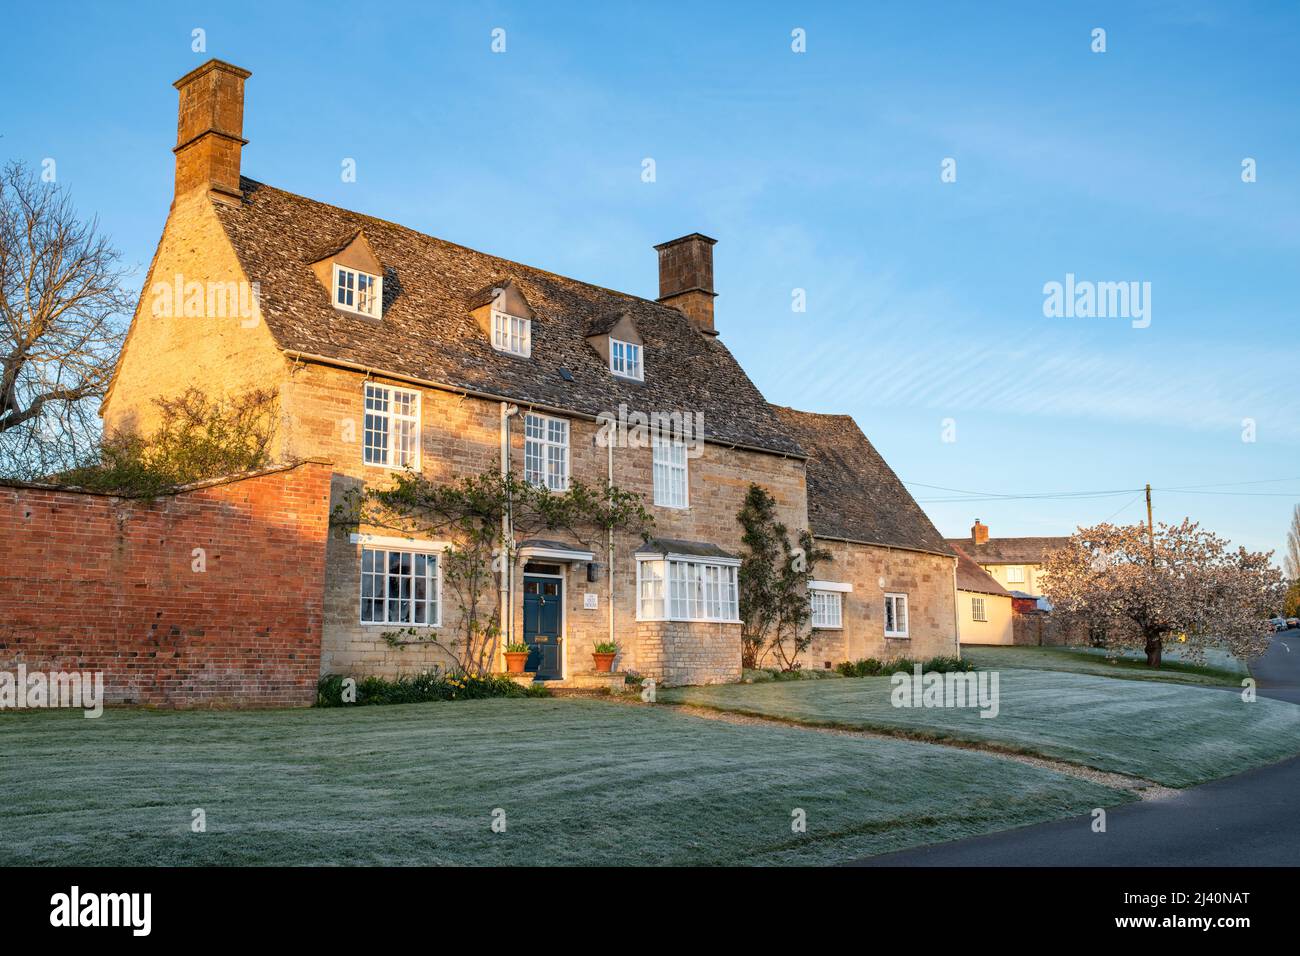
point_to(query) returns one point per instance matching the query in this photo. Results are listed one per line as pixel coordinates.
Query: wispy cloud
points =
(884, 347)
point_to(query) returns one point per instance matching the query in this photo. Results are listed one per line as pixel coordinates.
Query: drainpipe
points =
(609, 570)
(956, 613)
(507, 536)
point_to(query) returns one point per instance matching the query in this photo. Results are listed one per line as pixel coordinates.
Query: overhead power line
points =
(964, 495)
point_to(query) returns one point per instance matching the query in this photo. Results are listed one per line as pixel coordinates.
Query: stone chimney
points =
(979, 533)
(686, 278)
(210, 130)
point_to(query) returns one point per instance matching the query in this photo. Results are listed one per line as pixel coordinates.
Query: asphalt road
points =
(1251, 819)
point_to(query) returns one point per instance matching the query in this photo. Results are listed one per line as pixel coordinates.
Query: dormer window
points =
(511, 333)
(351, 275)
(625, 359)
(357, 291)
(614, 337)
(505, 317)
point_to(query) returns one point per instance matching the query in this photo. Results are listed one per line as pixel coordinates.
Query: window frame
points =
(391, 417)
(895, 597)
(659, 442)
(979, 610)
(1019, 574)
(825, 595)
(526, 336)
(545, 443)
(716, 583)
(430, 551)
(626, 348)
(377, 281)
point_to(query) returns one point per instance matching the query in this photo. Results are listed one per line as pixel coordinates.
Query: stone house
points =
(1015, 563)
(390, 350)
(889, 589)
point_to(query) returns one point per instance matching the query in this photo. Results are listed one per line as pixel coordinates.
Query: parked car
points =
(1279, 624)
(1293, 622)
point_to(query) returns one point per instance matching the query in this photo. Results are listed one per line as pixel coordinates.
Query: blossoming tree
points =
(1138, 589)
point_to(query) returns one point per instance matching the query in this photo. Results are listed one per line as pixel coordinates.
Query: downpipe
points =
(507, 614)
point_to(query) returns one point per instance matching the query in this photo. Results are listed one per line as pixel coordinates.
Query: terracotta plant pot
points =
(604, 662)
(516, 661)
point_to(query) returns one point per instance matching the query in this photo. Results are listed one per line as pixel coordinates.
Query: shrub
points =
(766, 675)
(870, 667)
(197, 437)
(947, 665)
(427, 686)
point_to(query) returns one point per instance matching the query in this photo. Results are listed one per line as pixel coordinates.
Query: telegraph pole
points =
(1151, 529)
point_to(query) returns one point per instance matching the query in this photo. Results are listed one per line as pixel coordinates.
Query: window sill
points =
(897, 637)
(358, 314)
(414, 469)
(423, 627)
(685, 620)
(543, 486)
(518, 355)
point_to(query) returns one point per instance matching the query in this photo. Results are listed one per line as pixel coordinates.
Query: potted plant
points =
(603, 655)
(516, 657)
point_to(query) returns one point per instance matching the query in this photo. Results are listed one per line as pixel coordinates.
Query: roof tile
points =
(852, 492)
(427, 332)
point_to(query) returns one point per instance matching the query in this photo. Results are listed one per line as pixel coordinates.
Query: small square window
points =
(895, 615)
(400, 587)
(625, 359)
(358, 291)
(511, 333)
(826, 609)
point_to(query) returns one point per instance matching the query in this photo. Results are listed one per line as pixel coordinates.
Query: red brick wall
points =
(100, 583)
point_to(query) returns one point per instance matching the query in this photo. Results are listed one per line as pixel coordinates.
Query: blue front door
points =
(542, 622)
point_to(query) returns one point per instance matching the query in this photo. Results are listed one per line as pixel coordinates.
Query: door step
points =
(578, 683)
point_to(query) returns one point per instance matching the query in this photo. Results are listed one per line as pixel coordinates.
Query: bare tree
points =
(61, 292)
(1291, 560)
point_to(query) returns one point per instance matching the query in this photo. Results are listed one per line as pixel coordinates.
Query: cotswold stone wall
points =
(678, 652)
(926, 579)
(460, 436)
(207, 597)
(175, 342)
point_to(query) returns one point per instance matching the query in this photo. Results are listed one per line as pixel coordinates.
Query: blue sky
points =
(816, 170)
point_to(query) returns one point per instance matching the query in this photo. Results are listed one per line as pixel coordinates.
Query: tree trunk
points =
(1155, 645)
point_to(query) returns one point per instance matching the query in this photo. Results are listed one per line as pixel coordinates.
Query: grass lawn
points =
(581, 782)
(1173, 735)
(1221, 670)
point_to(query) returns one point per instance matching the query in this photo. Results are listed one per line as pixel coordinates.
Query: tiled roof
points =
(604, 324)
(1010, 550)
(971, 577)
(852, 493)
(699, 549)
(486, 294)
(428, 334)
